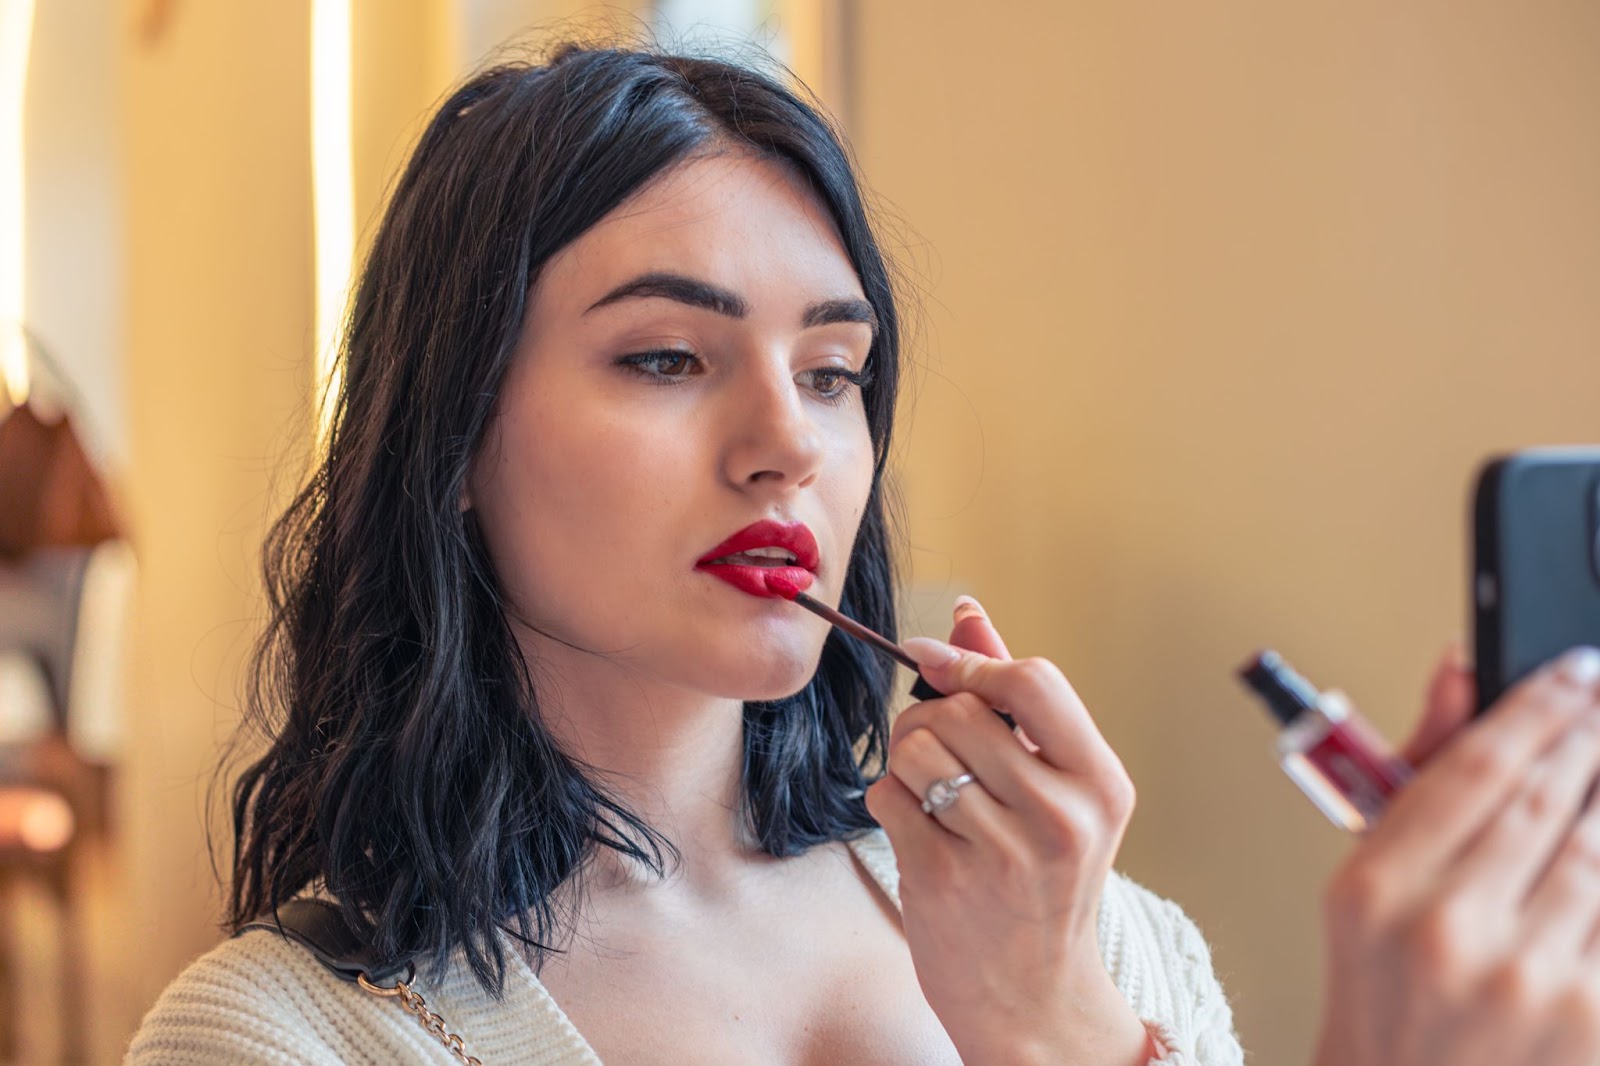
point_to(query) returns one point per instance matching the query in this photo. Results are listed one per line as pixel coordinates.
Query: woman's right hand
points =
(1462, 929)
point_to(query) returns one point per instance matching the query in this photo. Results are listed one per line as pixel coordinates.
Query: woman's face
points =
(684, 372)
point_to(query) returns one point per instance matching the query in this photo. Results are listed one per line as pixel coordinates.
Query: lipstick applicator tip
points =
(781, 585)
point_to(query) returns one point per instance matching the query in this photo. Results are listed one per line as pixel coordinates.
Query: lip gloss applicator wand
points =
(782, 586)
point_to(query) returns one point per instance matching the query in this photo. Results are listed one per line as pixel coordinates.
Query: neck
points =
(672, 756)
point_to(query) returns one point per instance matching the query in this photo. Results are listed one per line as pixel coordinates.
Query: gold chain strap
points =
(413, 1002)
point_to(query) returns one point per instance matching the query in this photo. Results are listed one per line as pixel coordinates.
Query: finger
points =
(921, 759)
(1476, 774)
(924, 714)
(916, 838)
(1452, 697)
(1033, 691)
(1505, 861)
(1564, 907)
(980, 741)
(974, 631)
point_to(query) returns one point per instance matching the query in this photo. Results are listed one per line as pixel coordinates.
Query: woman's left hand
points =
(1000, 891)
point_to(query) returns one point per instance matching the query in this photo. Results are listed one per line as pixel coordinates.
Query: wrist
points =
(1098, 1026)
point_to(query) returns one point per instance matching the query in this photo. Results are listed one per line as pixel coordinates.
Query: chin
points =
(778, 684)
(766, 672)
(779, 692)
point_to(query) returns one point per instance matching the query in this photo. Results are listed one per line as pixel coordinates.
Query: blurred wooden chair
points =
(54, 801)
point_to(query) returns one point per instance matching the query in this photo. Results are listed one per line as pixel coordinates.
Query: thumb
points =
(1452, 696)
(974, 632)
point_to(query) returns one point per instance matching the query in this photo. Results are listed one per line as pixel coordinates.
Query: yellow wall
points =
(218, 368)
(73, 230)
(216, 123)
(402, 60)
(1224, 302)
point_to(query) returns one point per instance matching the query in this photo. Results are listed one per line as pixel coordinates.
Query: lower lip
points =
(753, 579)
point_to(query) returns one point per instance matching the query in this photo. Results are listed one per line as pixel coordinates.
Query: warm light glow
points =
(332, 187)
(16, 37)
(37, 819)
(801, 36)
(45, 823)
(802, 29)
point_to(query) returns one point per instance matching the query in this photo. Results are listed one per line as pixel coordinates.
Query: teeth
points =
(760, 557)
(770, 553)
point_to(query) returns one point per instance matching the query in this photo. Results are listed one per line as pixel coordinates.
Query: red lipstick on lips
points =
(732, 562)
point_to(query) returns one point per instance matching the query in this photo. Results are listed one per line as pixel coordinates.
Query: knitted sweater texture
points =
(259, 1000)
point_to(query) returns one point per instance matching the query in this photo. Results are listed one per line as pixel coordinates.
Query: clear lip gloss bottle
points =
(1338, 759)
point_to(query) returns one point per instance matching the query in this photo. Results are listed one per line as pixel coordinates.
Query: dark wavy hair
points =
(409, 772)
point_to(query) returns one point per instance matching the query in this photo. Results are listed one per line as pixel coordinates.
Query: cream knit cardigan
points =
(259, 1000)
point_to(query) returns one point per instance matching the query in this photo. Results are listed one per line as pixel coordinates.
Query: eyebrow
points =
(709, 297)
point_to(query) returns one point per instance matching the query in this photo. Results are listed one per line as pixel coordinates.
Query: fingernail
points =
(1581, 666)
(966, 606)
(926, 651)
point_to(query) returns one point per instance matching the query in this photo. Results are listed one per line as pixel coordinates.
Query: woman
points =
(624, 340)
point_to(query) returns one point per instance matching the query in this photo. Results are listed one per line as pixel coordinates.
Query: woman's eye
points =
(663, 364)
(833, 383)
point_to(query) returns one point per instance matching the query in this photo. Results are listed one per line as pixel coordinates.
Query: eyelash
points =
(642, 360)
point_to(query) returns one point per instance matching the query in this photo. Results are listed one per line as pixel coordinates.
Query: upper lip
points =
(793, 537)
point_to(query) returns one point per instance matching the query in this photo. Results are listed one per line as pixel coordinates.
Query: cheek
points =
(573, 511)
(853, 486)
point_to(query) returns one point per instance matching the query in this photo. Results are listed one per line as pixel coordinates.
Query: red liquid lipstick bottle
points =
(1339, 761)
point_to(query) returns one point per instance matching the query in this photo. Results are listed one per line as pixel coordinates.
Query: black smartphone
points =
(1536, 562)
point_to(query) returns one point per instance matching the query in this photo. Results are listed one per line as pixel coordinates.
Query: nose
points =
(773, 441)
